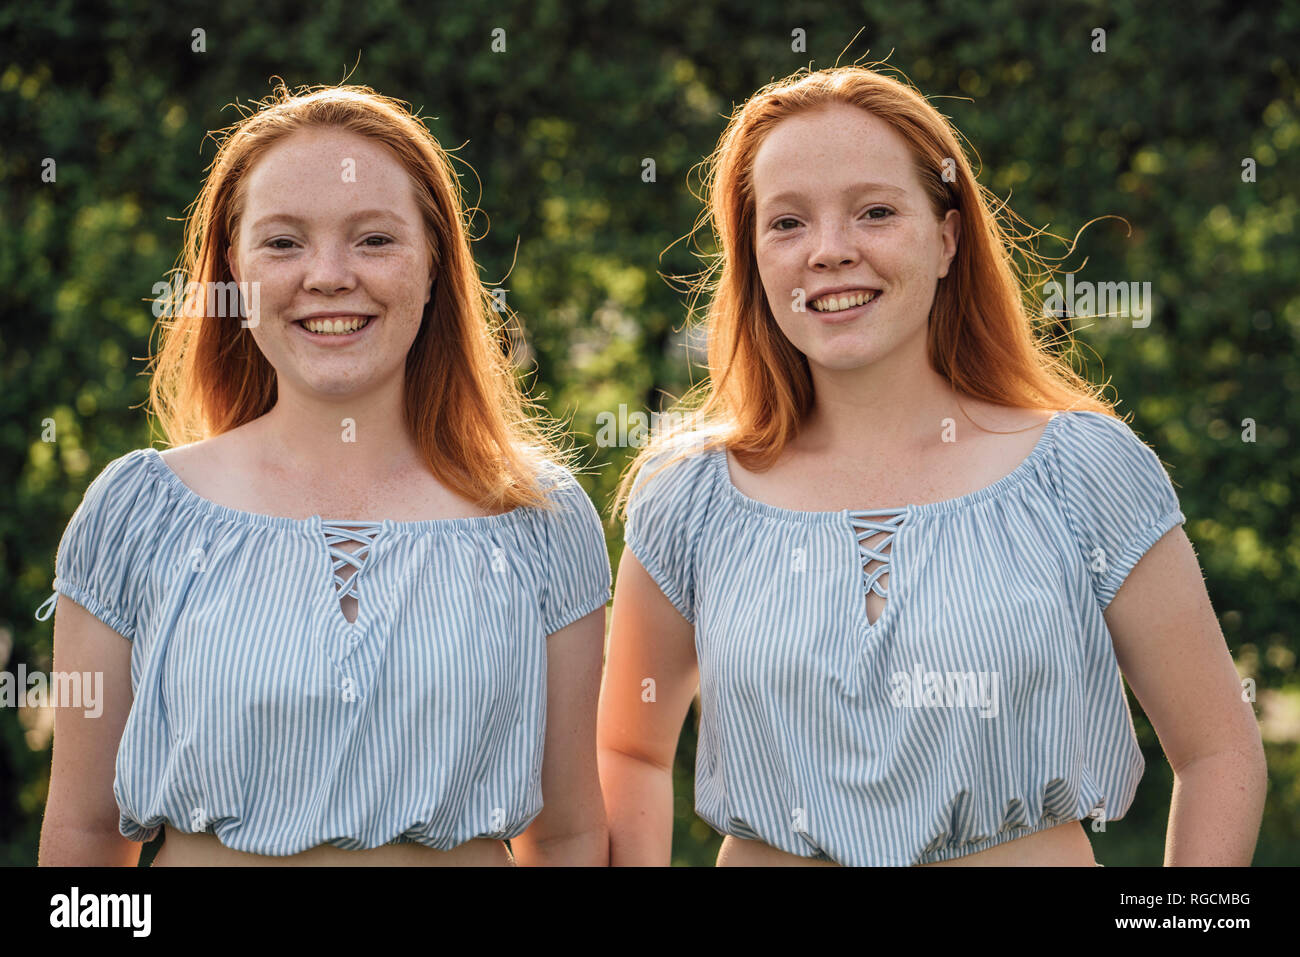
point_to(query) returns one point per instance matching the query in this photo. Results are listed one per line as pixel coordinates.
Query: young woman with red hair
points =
(356, 614)
(902, 547)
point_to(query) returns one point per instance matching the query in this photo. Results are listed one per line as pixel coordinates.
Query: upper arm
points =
(574, 591)
(651, 670)
(1169, 646)
(570, 782)
(1125, 517)
(80, 806)
(100, 606)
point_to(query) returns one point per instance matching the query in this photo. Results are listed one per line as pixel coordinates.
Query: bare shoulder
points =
(1004, 419)
(204, 464)
(991, 442)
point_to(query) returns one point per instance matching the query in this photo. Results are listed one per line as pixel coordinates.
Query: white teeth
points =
(840, 303)
(334, 326)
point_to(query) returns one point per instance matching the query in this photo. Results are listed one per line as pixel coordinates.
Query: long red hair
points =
(985, 334)
(464, 406)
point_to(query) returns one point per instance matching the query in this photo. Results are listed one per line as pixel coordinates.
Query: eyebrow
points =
(789, 195)
(351, 217)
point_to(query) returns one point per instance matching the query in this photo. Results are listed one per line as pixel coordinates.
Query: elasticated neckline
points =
(1002, 485)
(315, 525)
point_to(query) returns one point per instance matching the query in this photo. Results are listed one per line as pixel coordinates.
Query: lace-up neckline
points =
(338, 531)
(865, 523)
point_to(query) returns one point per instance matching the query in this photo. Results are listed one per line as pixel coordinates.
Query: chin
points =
(335, 385)
(845, 363)
(845, 357)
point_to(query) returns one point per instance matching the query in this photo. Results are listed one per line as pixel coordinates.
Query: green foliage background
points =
(1154, 130)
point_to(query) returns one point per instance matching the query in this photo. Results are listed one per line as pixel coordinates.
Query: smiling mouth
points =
(335, 325)
(839, 302)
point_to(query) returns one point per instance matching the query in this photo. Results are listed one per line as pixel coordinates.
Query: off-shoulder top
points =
(985, 701)
(262, 715)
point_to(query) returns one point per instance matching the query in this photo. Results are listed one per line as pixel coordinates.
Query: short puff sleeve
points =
(1116, 495)
(576, 578)
(664, 511)
(97, 564)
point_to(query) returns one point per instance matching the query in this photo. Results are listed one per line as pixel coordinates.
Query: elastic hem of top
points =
(965, 850)
(665, 583)
(805, 850)
(313, 524)
(99, 609)
(944, 854)
(1015, 477)
(597, 600)
(144, 835)
(1132, 554)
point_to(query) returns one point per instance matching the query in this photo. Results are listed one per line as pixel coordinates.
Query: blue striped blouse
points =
(261, 714)
(985, 701)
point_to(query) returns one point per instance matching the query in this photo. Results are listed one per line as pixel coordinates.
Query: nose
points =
(329, 270)
(832, 247)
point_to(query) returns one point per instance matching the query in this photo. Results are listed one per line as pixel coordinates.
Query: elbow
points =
(1243, 761)
(611, 754)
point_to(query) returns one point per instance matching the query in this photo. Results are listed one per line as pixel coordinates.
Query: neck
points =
(357, 440)
(896, 405)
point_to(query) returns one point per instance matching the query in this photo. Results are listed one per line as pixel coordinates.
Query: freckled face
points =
(842, 216)
(330, 224)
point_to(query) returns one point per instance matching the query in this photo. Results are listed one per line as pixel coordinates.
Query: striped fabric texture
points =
(261, 714)
(984, 703)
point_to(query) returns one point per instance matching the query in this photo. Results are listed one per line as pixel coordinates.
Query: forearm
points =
(85, 847)
(639, 809)
(582, 849)
(1217, 805)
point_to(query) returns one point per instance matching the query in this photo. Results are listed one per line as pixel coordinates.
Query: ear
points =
(230, 262)
(433, 280)
(951, 233)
